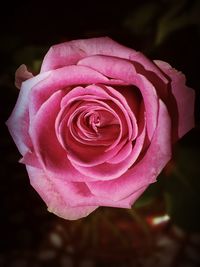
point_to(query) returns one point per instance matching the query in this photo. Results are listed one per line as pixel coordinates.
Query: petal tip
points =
(22, 74)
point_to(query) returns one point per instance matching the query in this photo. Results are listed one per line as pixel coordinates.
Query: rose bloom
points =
(96, 126)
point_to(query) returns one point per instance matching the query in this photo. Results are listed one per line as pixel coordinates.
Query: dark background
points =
(29, 235)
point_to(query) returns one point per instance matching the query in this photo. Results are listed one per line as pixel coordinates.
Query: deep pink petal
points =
(81, 153)
(104, 93)
(150, 99)
(132, 96)
(46, 145)
(180, 102)
(147, 169)
(129, 114)
(137, 147)
(109, 171)
(84, 153)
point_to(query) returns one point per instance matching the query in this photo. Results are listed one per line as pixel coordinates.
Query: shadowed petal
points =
(180, 102)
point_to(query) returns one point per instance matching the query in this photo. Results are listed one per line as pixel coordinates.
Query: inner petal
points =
(94, 124)
(97, 126)
(84, 145)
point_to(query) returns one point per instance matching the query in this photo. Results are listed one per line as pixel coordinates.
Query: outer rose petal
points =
(18, 122)
(181, 102)
(71, 201)
(53, 199)
(63, 78)
(147, 169)
(21, 75)
(70, 53)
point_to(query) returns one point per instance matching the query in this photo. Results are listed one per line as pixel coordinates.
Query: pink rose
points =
(95, 127)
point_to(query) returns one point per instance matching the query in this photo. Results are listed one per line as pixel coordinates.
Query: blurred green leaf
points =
(182, 190)
(153, 191)
(140, 20)
(31, 56)
(177, 17)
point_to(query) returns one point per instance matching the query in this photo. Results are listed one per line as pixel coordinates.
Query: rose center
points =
(94, 121)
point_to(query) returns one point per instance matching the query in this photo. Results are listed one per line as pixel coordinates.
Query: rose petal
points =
(180, 102)
(31, 159)
(128, 75)
(109, 66)
(81, 153)
(22, 74)
(77, 194)
(63, 78)
(96, 92)
(71, 200)
(109, 171)
(18, 122)
(137, 146)
(147, 169)
(53, 199)
(46, 146)
(70, 53)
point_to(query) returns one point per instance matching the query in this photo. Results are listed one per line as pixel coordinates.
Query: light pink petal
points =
(124, 152)
(133, 197)
(147, 169)
(53, 198)
(21, 75)
(31, 159)
(63, 78)
(78, 194)
(71, 200)
(112, 67)
(70, 53)
(180, 102)
(18, 122)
